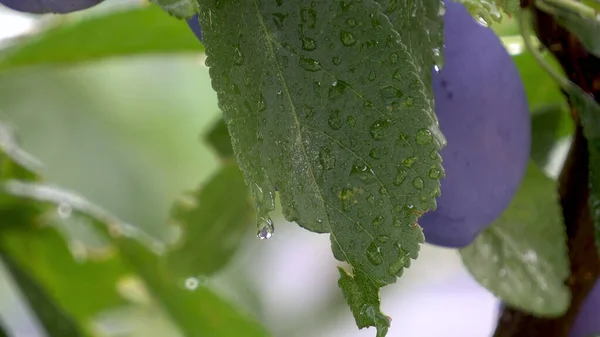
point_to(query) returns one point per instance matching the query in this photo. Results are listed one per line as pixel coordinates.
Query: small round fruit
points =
(49, 6)
(587, 322)
(482, 108)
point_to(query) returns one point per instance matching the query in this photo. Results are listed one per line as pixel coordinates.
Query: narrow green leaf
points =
(549, 124)
(218, 138)
(183, 9)
(213, 220)
(196, 309)
(122, 33)
(488, 11)
(14, 162)
(589, 111)
(324, 105)
(54, 320)
(522, 257)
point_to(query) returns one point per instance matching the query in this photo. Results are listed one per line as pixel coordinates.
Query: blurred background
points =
(127, 132)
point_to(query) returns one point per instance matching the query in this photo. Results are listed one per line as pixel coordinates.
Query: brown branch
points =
(584, 70)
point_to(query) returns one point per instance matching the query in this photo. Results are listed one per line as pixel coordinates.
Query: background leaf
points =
(183, 9)
(214, 220)
(324, 105)
(549, 124)
(129, 32)
(522, 256)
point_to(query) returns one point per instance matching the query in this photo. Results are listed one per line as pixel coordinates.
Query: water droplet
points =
(390, 92)
(308, 44)
(265, 227)
(327, 159)
(372, 75)
(351, 121)
(336, 60)
(434, 173)
(409, 101)
(191, 283)
(480, 18)
(377, 221)
(64, 210)
(309, 64)
(424, 137)
(335, 120)
(348, 200)
(397, 75)
(394, 58)
(375, 153)
(382, 238)
(351, 22)
(347, 38)
(418, 183)
(441, 9)
(434, 155)
(383, 190)
(374, 254)
(238, 56)
(309, 16)
(396, 268)
(371, 199)
(410, 161)
(337, 89)
(400, 176)
(378, 127)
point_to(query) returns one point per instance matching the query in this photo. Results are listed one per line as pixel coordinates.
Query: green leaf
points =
(522, 257)
(55, 321)
(3, 332)
(183, 9)
(589, 111)
(324, 105)
(213, 220)
(218, 138)
(122, 33)
(198, 312)
(549, 124)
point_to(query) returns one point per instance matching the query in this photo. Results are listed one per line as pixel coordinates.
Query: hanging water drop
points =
(191, 283)
(265, 227)
(64, 210)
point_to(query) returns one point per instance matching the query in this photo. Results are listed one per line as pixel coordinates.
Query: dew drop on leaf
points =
(410, 161)
(424, 137)
(308, 44)
(400, 176)
(394, 58)
(351, 121)
(434, 173)
(265, 227)
(377, 129)
(377, 221)
(336, 60)
(374, 254)
(418, 183)
(372, 75)
(309, 64)
(64, 210)
(347, 38)
(191, 283)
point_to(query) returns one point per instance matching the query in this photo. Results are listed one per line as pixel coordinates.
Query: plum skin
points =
(482, 109)
(587, 322)
(194, 25)
(49, 6)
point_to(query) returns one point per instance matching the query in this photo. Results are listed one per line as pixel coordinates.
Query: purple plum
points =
(194, 25)
(587, 323)
(482, 108)
(49, 6)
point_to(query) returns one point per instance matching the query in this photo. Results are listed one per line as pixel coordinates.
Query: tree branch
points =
(583, 69)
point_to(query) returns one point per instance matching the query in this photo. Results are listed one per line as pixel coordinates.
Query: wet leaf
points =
(421, 27)
(213, 219)
(581, 20)
(549, 125)
(121, 33)
(522, 257)
(325, 107)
